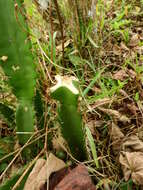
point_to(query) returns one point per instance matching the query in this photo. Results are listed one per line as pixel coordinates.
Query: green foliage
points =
(6, 146)
(127, 185)
(12, 181)
(92, 146)
(97, 76)
(7, 114)
(119, 24)
(17, 62)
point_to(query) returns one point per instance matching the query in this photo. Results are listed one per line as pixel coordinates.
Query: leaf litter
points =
(42, 171)
(130, 151)
(124, 59)
(63, 178)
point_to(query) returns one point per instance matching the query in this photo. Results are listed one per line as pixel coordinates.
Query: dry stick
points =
(61, 25)
(46, 135)
(10, 154)
(27, 169)
(46, 129)
(47, 72)
(16, 10)
(1, 176)
(51, 28)
(62, 68)
(41, 136)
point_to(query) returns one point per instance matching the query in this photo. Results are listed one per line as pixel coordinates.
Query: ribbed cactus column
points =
(70, 119)
(17, 62)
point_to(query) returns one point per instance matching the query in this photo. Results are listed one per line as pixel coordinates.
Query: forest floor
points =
(101, 43)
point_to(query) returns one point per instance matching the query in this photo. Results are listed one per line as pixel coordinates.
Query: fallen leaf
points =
(59, 47)
(42, 171)
(93, 125)
(116, 137)
(101, 102)
(140, 133)
(134, 40)
(132, 73)
(56, 177)
(132, 143)
(124, 47)
(132, 166)
(133, 108)
(115, 114)
(139, 50)
(120, 75)
(117, 50)
(116, 132)
(32, 179)
(77, 179)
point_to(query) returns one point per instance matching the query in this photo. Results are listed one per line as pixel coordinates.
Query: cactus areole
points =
(67, 94)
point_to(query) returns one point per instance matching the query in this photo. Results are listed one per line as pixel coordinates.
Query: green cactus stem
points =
(17, 62)
(72, 130)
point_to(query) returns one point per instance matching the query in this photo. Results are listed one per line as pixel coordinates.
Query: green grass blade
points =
(97, 76)
(92, 146)
(9, 183)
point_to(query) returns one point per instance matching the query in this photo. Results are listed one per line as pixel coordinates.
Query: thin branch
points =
(61, 25)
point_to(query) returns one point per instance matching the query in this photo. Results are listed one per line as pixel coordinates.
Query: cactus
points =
(70, 119)
(17, 62)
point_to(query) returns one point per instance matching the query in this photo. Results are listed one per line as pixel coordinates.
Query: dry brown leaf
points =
(117, 138)
(115, 114)
(139, 50)
(132, 143)
(132, 166)
(101, 102)
(133, 108)
(116, 132)
(117, 50)
(42, 171)
(93, 125)
(134, 40)
(59, 47)
(124, 47)
(132, 73)
(140, 133)
(78, 179)
(32, 179)
(120, 75)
